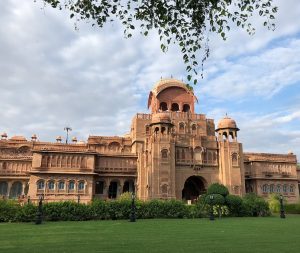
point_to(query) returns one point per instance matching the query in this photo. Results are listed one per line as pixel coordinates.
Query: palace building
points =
(170, 153)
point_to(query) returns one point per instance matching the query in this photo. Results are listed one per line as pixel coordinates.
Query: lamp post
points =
(39, 215)
(282, 214)
(78, 198)
(132, 214)
(211, 213)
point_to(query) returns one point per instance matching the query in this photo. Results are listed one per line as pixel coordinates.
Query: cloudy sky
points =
(93, 80)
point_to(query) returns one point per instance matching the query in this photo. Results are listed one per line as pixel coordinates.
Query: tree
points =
(183, 22)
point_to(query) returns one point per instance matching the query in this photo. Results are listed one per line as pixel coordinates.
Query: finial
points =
(33, 137)
(67, 129)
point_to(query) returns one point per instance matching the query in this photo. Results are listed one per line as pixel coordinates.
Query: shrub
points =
(255, 206)
(217, 188)
(27, 213)
(274, 202)
(8, 210)
(235, 205)
(292, 208)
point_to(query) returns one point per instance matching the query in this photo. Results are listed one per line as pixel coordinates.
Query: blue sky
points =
(52, 75)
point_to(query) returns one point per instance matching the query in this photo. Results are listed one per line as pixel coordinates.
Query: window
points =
(51, 185)
(175, 107)
(41, 185)
(272, 188)
(186, 108)
(61, 185)
(194, 129)
(181, 128)
(291, 188)
(164, 153)
(81, 186)
(71, 185)
(147, 129)
(265, 188)
(278, 188)
(99, 187)
(3, 188)
(284, 188)
(163, 106)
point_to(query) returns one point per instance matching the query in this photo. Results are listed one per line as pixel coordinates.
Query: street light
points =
(132, 214)
(39, 215)
(211, 215)
(282, 214)
(78, 198)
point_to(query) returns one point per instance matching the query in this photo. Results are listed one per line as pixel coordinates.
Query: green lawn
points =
(270, 234)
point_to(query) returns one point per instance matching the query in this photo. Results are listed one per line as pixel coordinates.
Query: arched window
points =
(147, 129)
(265, 188)
(186, 108)
(81, 186)
(234, 159)
(181, 127)
(164, 153)
(224, 136)
(156, 130)
(175, 107)
(163, 106)
(194, 128)
(51, 185)
(284, 188)
(61, 185)
(278, 188)
(71, 185)
(163, 130)
(272, 188)
(291, 188)
(164, 189)
(209, 157)
(41, 185)
(3, 188)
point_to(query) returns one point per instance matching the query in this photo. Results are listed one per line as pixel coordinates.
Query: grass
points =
(270, 234)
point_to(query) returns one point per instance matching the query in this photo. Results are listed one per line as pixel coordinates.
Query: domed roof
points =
(161, 117)
(167, 83)
(18, 138)
(226, 123)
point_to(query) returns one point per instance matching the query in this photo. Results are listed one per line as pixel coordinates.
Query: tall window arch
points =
(71, 185)
(175, 107)
(51, 185)
(181, 127)
(3, 188)
(164, 153)
(163, 106)
(265, 188)
(41, 185)
(186, 108)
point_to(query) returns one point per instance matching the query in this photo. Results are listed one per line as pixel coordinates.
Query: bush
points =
(8, 210)
(217, 188)
(292, 208)
(235, 205)
(255, 206)
(27, 213)
(274, 203)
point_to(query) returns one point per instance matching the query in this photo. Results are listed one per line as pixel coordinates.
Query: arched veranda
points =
(194, 186)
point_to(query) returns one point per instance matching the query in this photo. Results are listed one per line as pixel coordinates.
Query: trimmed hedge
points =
(251, 205)
(292, 208)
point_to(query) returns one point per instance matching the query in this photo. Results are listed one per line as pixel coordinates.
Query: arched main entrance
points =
(15, 190)
(193, 187)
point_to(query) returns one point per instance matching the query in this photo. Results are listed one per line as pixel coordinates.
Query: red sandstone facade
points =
(172, 152)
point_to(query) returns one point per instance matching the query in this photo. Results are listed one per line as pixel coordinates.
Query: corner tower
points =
(231, 164)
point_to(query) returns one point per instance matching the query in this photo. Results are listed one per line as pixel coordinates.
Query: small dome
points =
(161, 117)
(58, 138)
(74, 139)
(4, 135)
(34, 137)
(290, 152)
(18, 138)
(226, 123)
